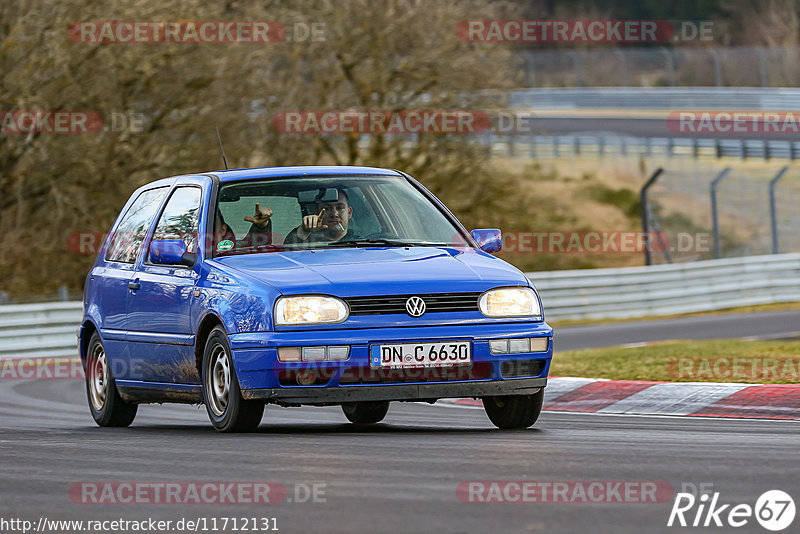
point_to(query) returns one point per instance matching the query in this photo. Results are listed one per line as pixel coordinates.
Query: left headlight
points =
(309, 309)
(510, 302)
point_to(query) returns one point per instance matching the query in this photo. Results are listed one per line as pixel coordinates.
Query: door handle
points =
(134, 285)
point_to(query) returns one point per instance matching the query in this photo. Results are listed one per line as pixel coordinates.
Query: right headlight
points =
(309, 309)
(510, 302)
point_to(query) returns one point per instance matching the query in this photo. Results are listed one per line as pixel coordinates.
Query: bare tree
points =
(392, 55)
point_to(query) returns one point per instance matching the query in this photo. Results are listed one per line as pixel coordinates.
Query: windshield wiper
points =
(380, 241)
(251, 248)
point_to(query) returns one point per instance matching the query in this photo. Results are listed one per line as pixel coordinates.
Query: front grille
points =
(435, 302)
(368, 375)
(520, 368)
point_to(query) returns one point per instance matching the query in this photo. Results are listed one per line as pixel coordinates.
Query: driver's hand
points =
(311, 223)
(261, 217)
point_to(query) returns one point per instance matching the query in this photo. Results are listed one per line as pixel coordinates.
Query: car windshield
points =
(326, 212)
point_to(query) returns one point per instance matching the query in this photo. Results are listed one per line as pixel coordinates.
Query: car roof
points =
(307, 170)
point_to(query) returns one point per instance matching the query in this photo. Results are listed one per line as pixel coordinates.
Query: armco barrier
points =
(40, 330)
(48, 330)
(668, 289)
(657, 98)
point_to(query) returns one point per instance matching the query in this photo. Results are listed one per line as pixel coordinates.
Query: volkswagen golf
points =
(349, 286)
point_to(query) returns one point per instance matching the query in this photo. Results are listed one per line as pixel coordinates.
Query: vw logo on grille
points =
(415, 306)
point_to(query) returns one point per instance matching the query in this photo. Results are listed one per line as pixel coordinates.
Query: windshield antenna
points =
(224, 159)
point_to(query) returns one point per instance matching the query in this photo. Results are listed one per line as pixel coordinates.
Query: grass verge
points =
(751, 362)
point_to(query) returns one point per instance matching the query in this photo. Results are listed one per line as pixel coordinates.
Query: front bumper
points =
(262, 376)
(405, 392)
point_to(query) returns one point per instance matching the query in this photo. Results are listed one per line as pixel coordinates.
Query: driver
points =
(330, 223)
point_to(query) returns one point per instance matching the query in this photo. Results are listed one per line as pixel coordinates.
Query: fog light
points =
(311, 354)
(289, 354)
(338, 353)
(306, 377)
(519, 345)
(539, 344)
(498, 346)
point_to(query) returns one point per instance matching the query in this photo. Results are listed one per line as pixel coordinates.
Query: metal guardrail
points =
(48, 330)
(658, 98)
(40, 330)
(667, 289)
(542, 147)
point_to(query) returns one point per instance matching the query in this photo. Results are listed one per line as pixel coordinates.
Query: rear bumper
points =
(405, 392)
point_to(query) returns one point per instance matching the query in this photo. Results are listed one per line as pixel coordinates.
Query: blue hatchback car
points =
(349, 286)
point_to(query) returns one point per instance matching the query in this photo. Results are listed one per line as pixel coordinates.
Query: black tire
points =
(226, 408)
(514, 411)
(107, 407)
(365, 413)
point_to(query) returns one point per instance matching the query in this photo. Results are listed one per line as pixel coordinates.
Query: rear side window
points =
(127, 239)
(180, 216)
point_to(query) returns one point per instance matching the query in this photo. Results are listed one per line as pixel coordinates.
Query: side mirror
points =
(488, 239)
(171, 252)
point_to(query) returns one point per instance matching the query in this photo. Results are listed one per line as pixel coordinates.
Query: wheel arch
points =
(208, 323)
(88, 328)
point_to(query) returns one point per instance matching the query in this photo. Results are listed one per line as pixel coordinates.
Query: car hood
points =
(376, 271)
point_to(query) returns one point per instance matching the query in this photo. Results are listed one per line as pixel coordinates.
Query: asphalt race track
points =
(401, 475)
(398, 476)
(761, 325)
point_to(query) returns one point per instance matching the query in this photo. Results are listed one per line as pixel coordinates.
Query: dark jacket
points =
(292, 237)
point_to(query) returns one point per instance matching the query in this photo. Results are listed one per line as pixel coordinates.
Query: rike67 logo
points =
(774, 510)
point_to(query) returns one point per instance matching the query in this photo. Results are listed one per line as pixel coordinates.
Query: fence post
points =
(670, 65)
(717, 66)
(762, 61)
(623, 65)
(576, 61)
(773, 212)
(530, 68)
(714, 214)
(645, 212)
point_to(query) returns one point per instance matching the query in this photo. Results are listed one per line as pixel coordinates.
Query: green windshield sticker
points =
(225, 245)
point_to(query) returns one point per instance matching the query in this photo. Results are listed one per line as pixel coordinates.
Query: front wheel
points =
(107, 407)
(226, 408)
(514, 411)
(365, 413)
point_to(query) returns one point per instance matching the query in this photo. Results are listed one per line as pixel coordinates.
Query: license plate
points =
(420, 354)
